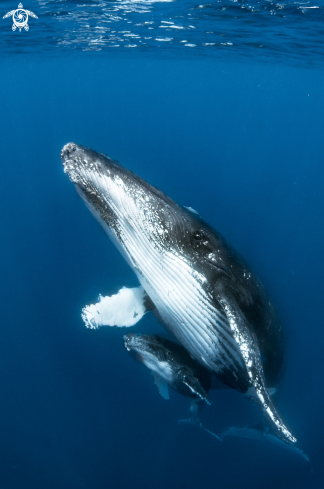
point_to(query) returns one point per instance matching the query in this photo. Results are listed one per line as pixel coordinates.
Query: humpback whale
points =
(171, 365)
(195, 283)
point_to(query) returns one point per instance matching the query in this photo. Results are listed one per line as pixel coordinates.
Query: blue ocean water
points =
(226, 117)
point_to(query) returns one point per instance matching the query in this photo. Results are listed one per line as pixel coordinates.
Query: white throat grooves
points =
(174, 287)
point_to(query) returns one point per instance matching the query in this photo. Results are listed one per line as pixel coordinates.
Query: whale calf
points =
(195, 283)
(171, 366)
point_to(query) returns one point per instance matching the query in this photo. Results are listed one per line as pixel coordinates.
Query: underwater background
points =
(226, 117)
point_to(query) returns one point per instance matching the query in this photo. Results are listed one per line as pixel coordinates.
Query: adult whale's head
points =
(131, 210)
(144, 222)
(119, 199)
(202, 290)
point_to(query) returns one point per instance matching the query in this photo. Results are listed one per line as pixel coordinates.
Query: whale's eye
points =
(197, 235)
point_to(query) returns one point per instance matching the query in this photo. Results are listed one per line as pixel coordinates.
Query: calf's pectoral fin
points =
(248, 346)
(161, 385)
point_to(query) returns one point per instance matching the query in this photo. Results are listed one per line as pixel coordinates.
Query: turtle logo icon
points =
(20, 18)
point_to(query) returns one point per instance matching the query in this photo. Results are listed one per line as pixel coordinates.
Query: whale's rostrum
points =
(197, 285)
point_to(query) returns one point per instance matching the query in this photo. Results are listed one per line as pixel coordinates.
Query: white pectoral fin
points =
(161, 385)
(249, 348)
(125, 308)
(251, 393)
